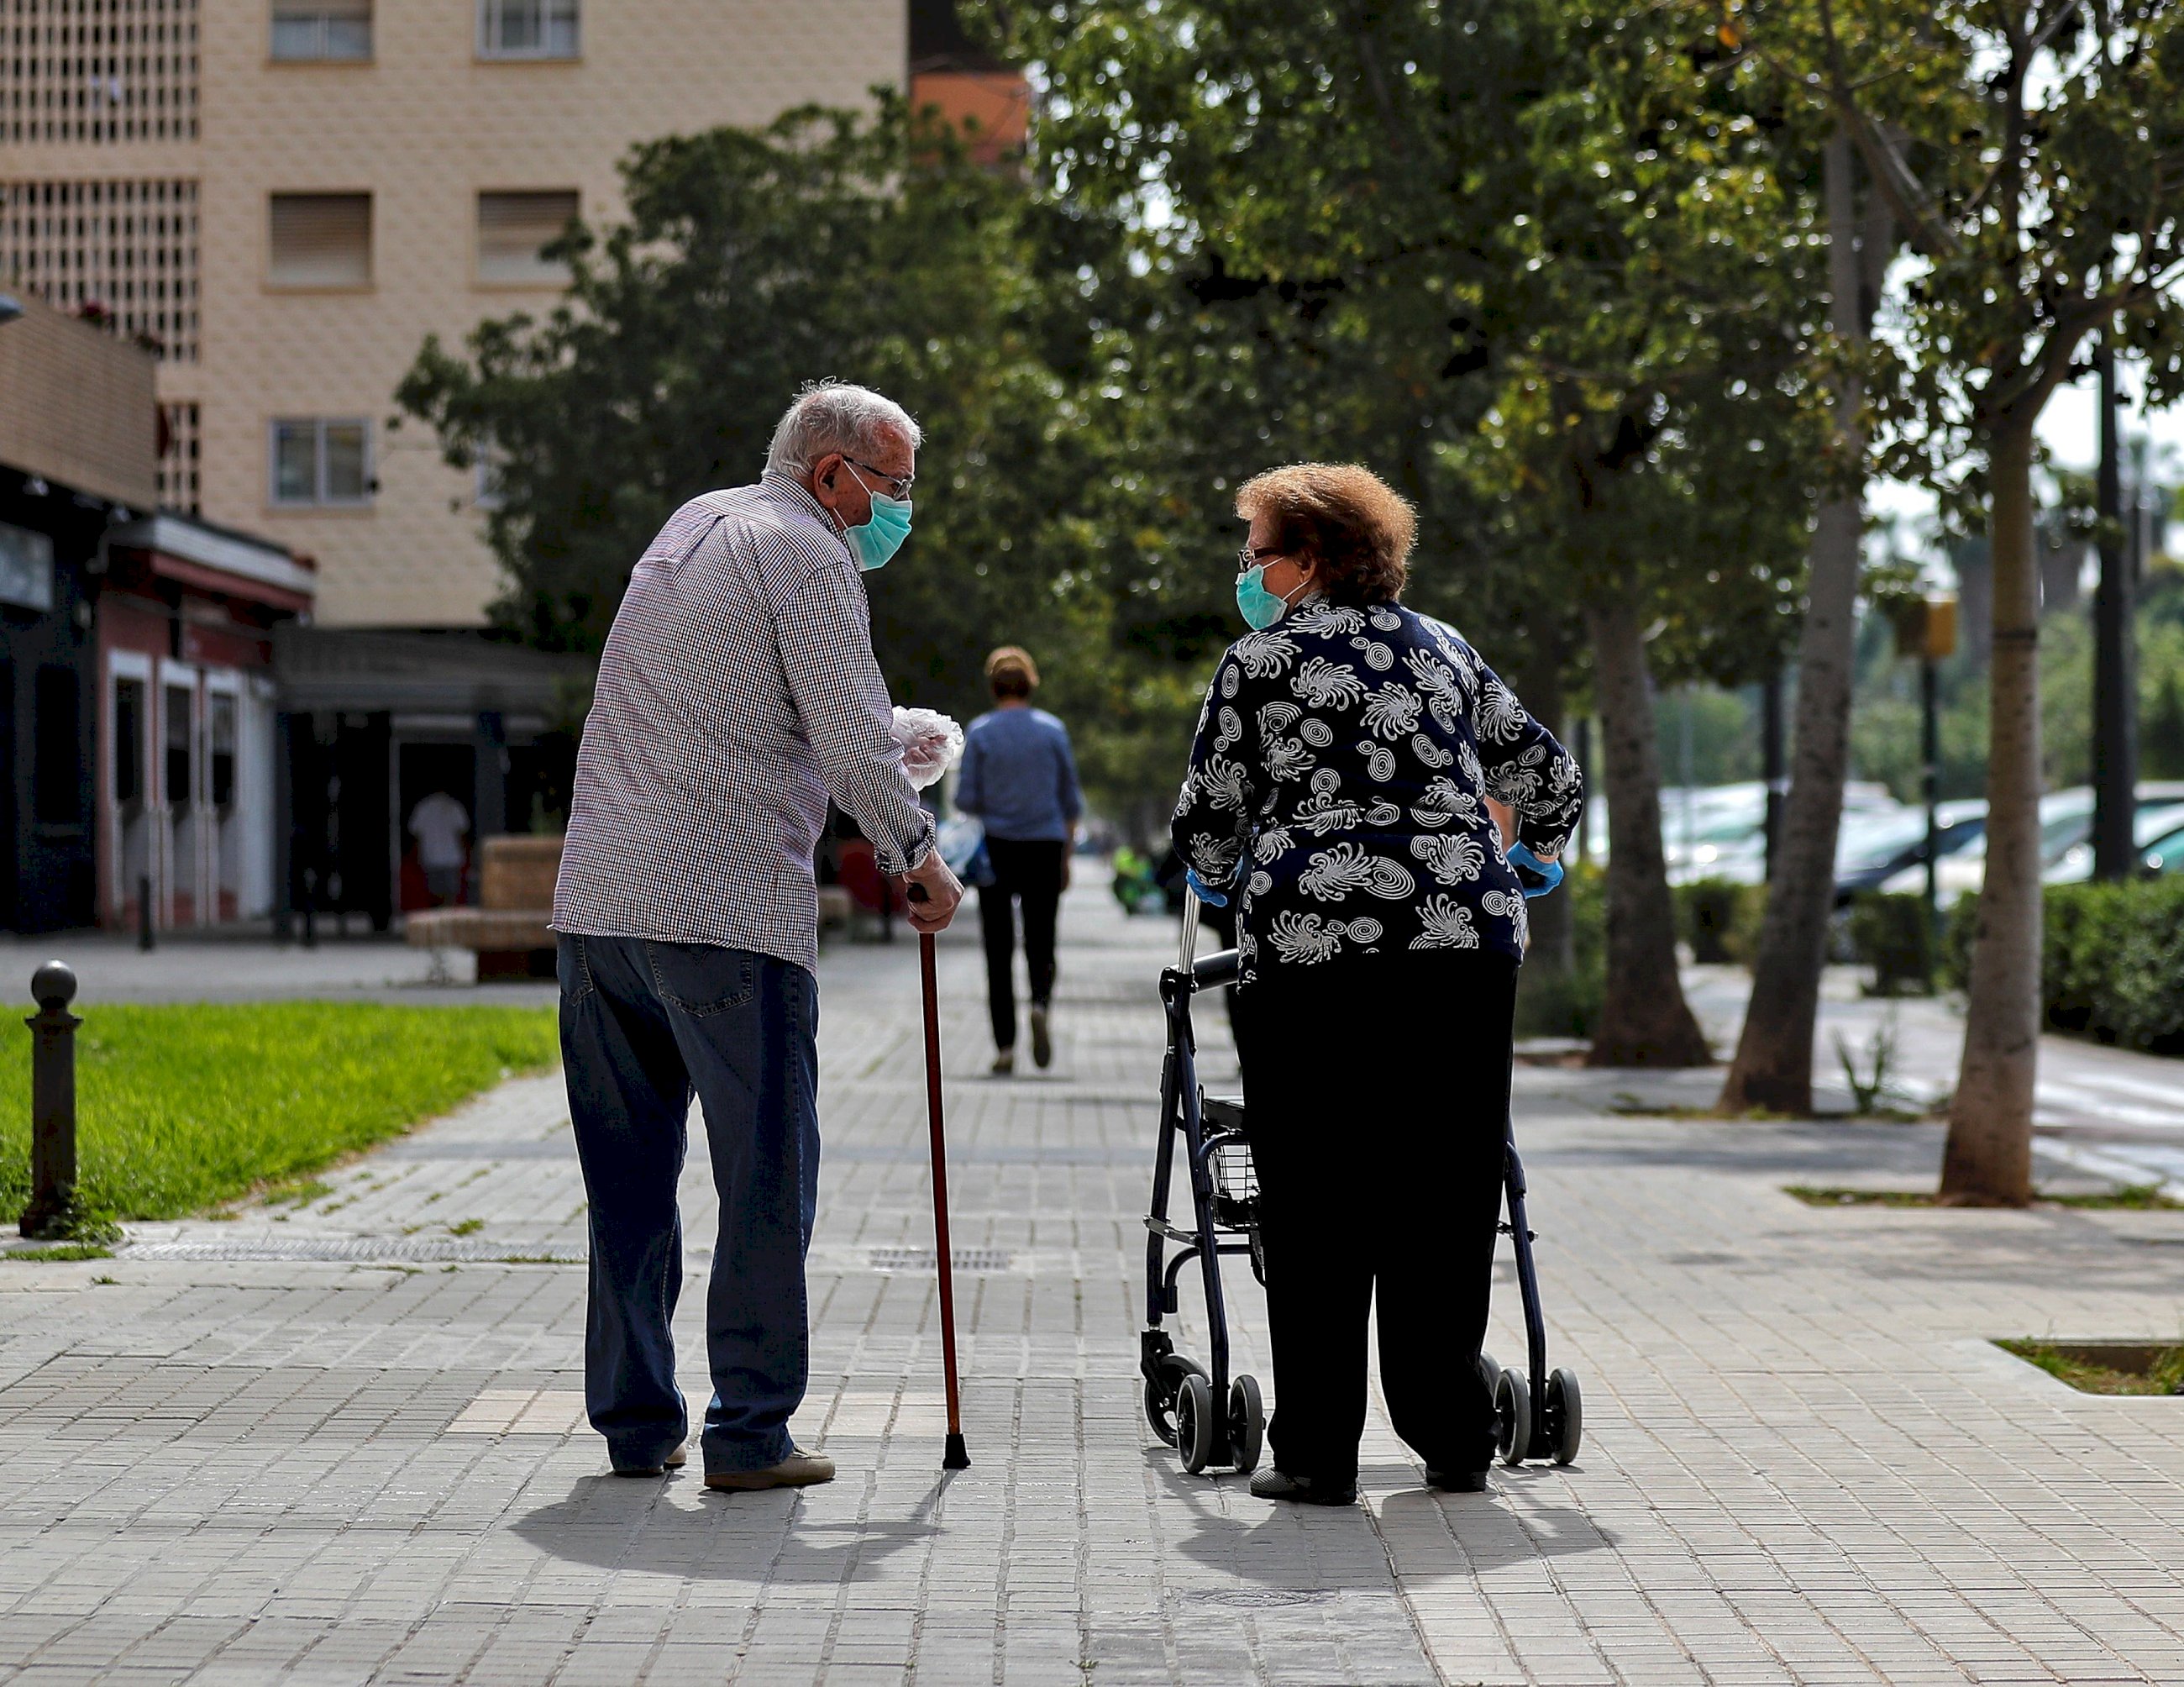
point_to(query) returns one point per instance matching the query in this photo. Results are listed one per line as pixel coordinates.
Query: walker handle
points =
(1549, 872)
(1212, 897)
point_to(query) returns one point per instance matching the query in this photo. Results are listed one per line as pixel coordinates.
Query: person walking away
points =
(737, 694)
(1019, 779)
(1341, 783)
(440, 823)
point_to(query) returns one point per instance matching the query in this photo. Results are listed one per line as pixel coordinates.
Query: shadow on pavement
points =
(1487, 1534)
(714, 1536)
(1326, 1548)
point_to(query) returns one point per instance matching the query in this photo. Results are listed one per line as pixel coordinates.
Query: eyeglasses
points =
(898, 485)
(1249, 557)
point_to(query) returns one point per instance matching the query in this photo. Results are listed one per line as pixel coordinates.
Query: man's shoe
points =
(1457, 1481)
(1042, 1043)
(674, 1461)
(798, 1469)
(1301, 1490)
(1004, 1062)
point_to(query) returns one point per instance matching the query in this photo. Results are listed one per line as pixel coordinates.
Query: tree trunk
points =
(1645, 1020)
(1773, 1063)
(1988, 1160)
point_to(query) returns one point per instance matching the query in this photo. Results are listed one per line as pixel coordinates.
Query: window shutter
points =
(513, 228)
(322, 240)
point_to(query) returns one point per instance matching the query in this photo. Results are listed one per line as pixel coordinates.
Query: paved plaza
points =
(344, 1443)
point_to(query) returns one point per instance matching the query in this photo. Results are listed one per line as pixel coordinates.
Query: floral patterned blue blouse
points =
(1337, 774)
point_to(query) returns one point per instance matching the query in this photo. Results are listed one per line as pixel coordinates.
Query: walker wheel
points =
(1196, 1422)
(1565, 1415)
(1513, 1418)
(1160, 1397)
(1247, 1425)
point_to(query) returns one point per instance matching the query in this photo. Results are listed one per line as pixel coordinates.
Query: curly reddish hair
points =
(1358, 528)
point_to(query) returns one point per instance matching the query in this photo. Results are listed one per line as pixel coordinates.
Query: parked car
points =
(2165, 854)
(1720, 831)
(1873, 849)
(2066, 819)
(2153, 824)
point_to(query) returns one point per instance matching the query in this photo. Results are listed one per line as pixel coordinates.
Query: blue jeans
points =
(644, 1027)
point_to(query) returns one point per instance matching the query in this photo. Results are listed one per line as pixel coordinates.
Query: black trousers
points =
(1029, 872)
(1375, 1098)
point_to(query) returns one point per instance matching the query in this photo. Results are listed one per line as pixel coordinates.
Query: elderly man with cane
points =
(737, 693)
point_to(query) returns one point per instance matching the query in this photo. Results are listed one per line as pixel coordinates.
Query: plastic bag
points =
(931, 743)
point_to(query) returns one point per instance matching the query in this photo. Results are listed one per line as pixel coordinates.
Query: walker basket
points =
(1235, 1180)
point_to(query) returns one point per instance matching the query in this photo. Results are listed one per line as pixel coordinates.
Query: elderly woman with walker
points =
(1340, 785)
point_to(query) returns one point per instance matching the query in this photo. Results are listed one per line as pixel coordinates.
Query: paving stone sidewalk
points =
(343, 1443)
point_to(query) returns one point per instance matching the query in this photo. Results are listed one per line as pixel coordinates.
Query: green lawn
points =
(181, 1107)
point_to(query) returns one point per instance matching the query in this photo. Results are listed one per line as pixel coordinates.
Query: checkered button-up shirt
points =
(737, 693)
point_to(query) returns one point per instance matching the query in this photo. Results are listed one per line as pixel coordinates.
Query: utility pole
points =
(2115, 680)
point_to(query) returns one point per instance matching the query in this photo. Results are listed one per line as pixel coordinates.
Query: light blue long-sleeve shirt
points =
(1018, 776)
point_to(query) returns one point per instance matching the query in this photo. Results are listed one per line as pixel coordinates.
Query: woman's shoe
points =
(1301, 1490)
(1042, 1043)
(1004, 1062)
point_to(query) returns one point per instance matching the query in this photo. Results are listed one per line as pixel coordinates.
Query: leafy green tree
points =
(2028, 151)
(751, 262)
(1555, 242)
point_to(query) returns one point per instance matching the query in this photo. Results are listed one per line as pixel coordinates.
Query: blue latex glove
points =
(1551, 871)
(1211, 898)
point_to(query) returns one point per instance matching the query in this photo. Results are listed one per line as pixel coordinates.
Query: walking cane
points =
(955, 1457)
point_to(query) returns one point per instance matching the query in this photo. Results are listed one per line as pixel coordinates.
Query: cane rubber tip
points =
(955, 1458)
(53, 986)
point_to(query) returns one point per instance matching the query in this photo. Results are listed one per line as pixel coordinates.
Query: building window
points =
(488, 468)
(128, 741)
(222, 734)
(178, 478)
(513, 231)
(57, 783)
(319, 460)
(178, 792)
(320, 240)
(305, 30)
(27, 567)
(121, 253)
(527, 29)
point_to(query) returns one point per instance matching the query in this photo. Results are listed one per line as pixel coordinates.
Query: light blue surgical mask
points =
(877, 538)
(1259, 607)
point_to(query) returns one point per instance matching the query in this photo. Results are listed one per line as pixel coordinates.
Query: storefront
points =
(77, 457)
(190, 813)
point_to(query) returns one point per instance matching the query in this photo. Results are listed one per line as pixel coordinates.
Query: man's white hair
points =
(835, 416)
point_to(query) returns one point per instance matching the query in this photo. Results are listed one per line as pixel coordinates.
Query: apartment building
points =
(287, 196)
(282, 198)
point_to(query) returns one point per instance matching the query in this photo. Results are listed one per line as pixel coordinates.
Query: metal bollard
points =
(53, 1102)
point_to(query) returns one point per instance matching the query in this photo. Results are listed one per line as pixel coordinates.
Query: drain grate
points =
(975, 1260)
(365, 1249)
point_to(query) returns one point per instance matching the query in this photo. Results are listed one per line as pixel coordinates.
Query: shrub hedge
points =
(1720, 920)
(2111, 961)
(1889, 933)
(1551, 1003)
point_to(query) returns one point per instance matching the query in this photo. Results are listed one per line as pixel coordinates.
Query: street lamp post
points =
(2115, 690)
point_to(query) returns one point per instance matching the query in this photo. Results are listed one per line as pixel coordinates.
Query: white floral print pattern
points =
(1339, 772)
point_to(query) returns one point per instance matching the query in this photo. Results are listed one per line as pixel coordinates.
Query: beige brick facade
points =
(76, 405)
(423, 127)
